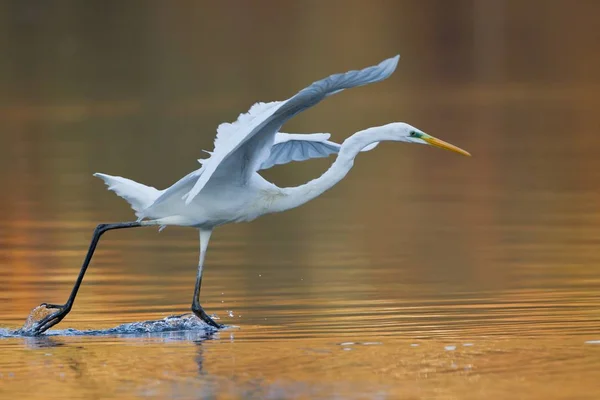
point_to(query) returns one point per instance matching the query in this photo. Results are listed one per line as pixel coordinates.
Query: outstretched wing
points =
(241, 147)
(252, 139)
(231, 168)
(300, 147)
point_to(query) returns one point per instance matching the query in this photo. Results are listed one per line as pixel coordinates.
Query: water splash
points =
(188, 322)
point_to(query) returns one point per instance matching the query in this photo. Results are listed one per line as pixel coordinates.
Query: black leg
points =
(197, 308)
(57, 316)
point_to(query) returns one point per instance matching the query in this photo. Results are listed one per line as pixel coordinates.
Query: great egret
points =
(228, 188)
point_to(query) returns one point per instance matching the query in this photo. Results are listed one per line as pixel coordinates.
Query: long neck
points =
(296, 196)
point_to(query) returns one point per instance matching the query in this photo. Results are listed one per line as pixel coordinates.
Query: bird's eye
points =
(413, 133)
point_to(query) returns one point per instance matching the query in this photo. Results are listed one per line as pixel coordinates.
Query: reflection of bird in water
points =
(228, 187)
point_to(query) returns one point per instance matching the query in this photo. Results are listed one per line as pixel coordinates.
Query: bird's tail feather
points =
(137, 195)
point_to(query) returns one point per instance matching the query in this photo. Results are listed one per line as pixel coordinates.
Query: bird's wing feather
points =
(263, 121)
(228, 131)
(179, 188)
(300, 147)
(225, 132)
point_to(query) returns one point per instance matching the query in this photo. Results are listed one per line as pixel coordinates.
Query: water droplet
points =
(450, 348)
(230, 313)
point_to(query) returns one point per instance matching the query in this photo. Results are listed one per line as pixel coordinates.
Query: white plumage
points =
(249, 139)
(228, 188)
(242, 148)
(137, 195)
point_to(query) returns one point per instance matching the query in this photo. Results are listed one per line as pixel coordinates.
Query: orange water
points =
(422, 275)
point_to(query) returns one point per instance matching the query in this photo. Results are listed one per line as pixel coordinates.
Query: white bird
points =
(228, 188)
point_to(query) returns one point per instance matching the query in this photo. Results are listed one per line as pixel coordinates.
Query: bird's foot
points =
(36, 328)
(200, 313)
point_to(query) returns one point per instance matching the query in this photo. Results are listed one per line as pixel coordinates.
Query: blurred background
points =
(415, 241)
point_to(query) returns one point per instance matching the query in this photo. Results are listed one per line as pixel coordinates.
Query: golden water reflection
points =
(422, 275)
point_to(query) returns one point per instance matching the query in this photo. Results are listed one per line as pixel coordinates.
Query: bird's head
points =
(402, 132)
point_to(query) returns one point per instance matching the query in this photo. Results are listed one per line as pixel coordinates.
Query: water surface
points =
(422, 275)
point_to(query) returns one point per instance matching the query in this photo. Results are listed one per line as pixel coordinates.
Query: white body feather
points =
(228, 188)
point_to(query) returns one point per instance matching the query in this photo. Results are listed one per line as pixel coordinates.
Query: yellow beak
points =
(443, 145)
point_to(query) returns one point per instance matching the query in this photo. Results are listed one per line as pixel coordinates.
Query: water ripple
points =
(183, 323)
